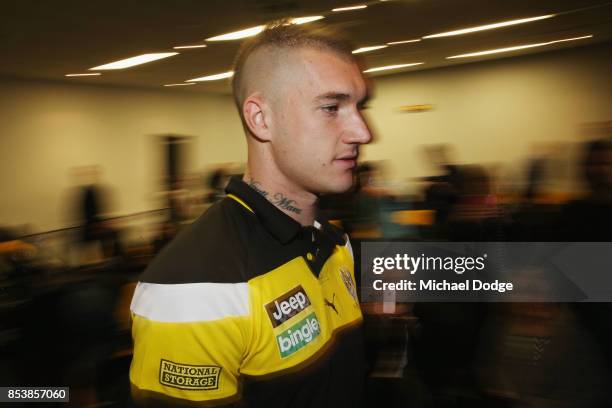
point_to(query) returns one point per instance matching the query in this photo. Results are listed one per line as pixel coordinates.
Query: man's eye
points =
(330, 108)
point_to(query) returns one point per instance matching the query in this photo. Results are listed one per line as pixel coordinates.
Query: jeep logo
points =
(286, 306)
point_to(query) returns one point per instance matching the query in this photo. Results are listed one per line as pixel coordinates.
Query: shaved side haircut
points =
(282, 36)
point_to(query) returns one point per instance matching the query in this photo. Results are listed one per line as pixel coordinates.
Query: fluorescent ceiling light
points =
(515, 48)
(214, 77)
(358, 7)
(393, 67)
(368, 49)
(181, 47)
(403, 42)
(253, 31)
(79, 75)
(237, 35)
(130, 62)
(489, 26)
(304, 20)
(181, 84)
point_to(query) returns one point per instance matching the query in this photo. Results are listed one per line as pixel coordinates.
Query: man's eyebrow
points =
(337, 96)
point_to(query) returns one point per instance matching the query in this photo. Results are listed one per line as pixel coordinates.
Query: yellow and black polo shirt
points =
(247, 305)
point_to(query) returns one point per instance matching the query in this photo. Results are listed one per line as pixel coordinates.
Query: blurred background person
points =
(589, 218)
(93, 209)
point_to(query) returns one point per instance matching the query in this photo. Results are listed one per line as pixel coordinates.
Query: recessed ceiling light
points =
(489, 26)
(79, 75)
(356, 7)
(404, 42)
(515, 48)
(304, 20)
(214, 77)
(181, 84)
(368, 49)
(237, 35)
(181, 47)
(393, 67)
(130, 62)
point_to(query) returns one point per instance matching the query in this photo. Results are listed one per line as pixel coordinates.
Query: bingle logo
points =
(288, 305)
(299, 335)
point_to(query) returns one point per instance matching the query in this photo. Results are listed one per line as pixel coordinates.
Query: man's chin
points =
(338, 187)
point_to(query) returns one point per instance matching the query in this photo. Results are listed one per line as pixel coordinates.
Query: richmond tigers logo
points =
(348, 282)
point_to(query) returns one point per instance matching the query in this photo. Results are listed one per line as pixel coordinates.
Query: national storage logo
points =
(298, 335)
(189, 377)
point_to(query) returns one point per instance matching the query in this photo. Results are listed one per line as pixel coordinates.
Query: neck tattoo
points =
(278, 199)
(256, 185)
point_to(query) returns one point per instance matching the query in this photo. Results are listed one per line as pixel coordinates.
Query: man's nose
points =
(359, 131)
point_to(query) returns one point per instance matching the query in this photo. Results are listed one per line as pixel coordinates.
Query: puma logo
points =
(331, 304)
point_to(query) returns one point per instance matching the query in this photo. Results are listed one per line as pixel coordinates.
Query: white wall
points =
(49, 128)
(491, 112)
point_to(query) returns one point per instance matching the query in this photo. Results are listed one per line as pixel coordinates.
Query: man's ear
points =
(257, 116)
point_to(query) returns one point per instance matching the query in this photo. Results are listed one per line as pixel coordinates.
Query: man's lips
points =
(348, 156)
(347, 160)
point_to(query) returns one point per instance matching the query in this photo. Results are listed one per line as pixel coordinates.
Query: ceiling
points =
(46, 40)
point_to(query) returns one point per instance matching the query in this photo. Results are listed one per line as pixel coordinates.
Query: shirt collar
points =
(280, 225)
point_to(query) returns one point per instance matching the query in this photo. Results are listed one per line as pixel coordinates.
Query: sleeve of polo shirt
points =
(189, 341)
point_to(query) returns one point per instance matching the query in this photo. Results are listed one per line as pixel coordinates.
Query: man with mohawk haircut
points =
(255, 303)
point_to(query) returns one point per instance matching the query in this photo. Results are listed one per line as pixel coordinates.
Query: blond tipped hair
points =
(283, 35)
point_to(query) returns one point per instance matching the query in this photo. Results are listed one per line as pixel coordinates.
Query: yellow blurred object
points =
(416, 108)
(17, 246)
(548, 198)
(555, 198)
(337, 223)
(366, 233)
(413, 217)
